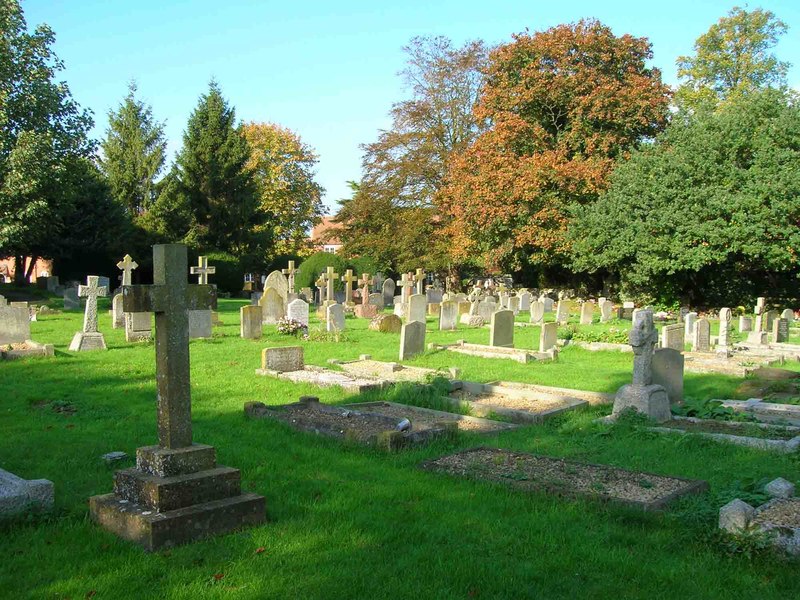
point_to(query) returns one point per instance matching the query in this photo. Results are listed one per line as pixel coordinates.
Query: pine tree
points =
(133, 153)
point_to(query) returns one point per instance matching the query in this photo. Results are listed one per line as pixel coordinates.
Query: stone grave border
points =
(519, 355)
(386, 439)
(693, 486)
(769, 412)
(34, 349)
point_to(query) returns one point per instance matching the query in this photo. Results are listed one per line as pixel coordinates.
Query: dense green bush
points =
(315, 264)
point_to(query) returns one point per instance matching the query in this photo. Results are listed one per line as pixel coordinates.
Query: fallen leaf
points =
(260, 550)
(219, 576)
(91, 594)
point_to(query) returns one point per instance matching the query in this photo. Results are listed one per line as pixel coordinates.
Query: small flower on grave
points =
(288, 326)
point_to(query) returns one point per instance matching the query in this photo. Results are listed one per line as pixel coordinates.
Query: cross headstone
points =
(419, 279)
(127, 265)
(290, 272)
(348, 280)
(202, 270)
(364, 284)
(189, 471)
(406, 282)
(330, 278)
(90, 338)
(202, 320)
(321, 283)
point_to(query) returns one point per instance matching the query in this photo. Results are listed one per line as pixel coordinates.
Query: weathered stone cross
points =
(406, 283)
(290, 275)
(330, 278)
(171, 298)
(364, 284)
(348, 279)
(127, 265)
(419, 277)
(91, 291)
(202, 270)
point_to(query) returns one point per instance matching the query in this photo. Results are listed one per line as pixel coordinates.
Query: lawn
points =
(350, 522)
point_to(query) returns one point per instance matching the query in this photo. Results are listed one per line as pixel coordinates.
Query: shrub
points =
(315, 264)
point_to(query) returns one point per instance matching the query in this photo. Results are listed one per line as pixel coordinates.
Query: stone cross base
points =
(215, 320)
(650, 400)
(87, 341)
(18, 495)
(176, 496)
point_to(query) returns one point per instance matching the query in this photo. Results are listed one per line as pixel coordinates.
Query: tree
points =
(709, 213)
(404, 169)
(289, 199)
(209, 198)
(564, 105)
(133, 153)
(732, 58)
(42, 129)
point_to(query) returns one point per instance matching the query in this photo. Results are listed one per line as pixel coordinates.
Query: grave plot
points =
(518, 403)
(25, 349)
(388, 371)
(425, 418)
(519, 355)
(756, 435)
(769, 412)
(362, 427)
(781, 518)
(535, 473)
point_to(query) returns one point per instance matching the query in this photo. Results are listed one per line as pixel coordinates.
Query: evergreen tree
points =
(212, 181)
(133, 153)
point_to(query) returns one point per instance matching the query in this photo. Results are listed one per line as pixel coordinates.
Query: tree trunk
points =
(19, 270)
(31, 267)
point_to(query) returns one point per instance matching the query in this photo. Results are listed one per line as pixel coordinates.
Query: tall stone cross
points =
(406, 282)
(91, 291)
(171, 298)
(290, 275)
(643, 337)
(502, 288)
(330, 278)
(202, 270)
(364, 284)
(419, 278)
(127, 265)
(321, 283)
(348, 279)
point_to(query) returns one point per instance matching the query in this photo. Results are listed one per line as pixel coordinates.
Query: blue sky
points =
(327, 70)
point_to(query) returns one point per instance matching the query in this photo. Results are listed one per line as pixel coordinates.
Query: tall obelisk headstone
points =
(177, 493)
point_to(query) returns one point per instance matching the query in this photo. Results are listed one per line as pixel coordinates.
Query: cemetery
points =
(547, 346)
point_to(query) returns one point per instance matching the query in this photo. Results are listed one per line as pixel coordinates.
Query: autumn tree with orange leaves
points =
(564, 105)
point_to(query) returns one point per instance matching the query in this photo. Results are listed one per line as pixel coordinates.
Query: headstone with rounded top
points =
(448, 315)
(334, 321)
(412, 339)
(701, 339)
(250, 322)
(501, 329)
(537, 312)
(272, 307)
(416, 308)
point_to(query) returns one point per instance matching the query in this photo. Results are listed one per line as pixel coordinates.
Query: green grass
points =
(349, 522)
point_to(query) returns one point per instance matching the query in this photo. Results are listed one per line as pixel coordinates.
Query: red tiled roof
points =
(323, 232)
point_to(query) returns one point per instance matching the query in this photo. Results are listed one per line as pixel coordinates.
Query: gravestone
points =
(513, 305)
(278, 282)
(587, 311)
(117, 316)
(419, 280)
(199, 324)
(334, 318)
(606, 310)
(537, 312)
(297, 310)
(290, 272)
(701, 341)
(434, 295)
(433, 308)
(90, 338)
(348, 279)
(769, 318)
(376, 300)
(463, 307)
(548, 303)
(320, 284)
(448, 315)
(642, 395)
(485, 309)
(138, 326)
(788, 314)
(501, 329)
(176, 493)
(548, 336)
(18, 496)
(562, 312)
(388, 292)
(525, 301)
(780, 331)
(672, 336)
(626, 311)
(723, 341)
(689, 319)
(386, 324)
(366, 311)
(398, 308)
(272, 306)
(250, 322)
(745, 324)
(761, 303)
(412, 339)
(406, 283)
(416, 308)
(71, 299)
(15, 323)
(668, 372)
(283, 360)
(330, 279)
